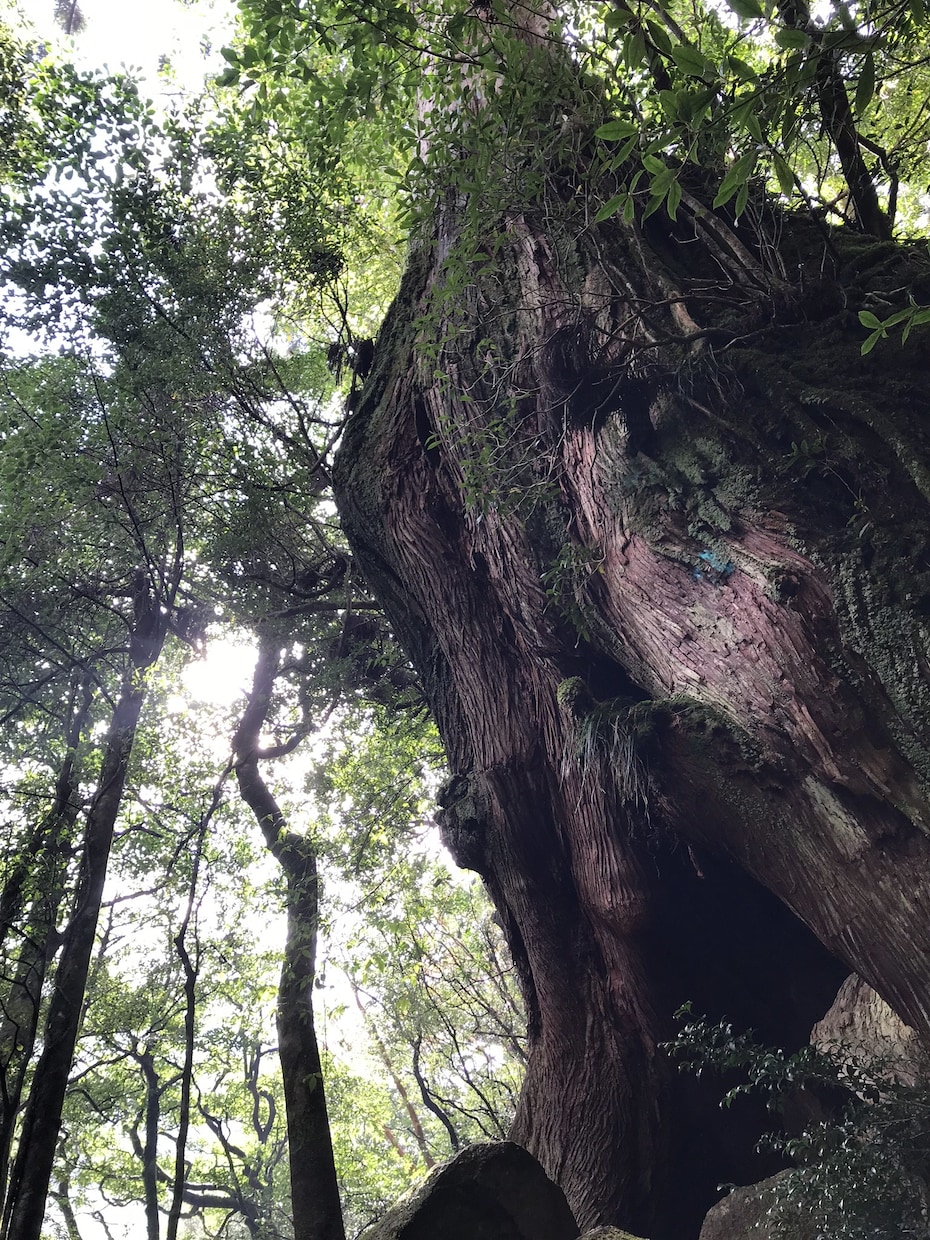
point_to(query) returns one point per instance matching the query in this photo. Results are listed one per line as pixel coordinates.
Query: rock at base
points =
(861, 1027)
(742, 1214)
(609, 1233)
(493, 1191)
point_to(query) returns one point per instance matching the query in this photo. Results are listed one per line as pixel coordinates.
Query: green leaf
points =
(846, 40)
(634, 49)
(611, 207)
(869, 344)
(783, 174)
(865, 87)
(624, 153)
(690, 61)
(614, 131)
(741, 68)
(660, 38)
(737, 176)
(616, 18)
(653, 205)
(791, 38)
(693, 104)
(899, 316)
(789, 125)
(660, 184)
(753, 128)
(743, 109)
(673, 200)
(653, 164)
(669, 101)
(868, 319)
(662, 141)
(747, 10)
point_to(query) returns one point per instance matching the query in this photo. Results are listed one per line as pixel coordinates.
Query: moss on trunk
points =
(616, 461)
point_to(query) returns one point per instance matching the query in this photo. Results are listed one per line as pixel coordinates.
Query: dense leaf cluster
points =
(167, 418)
(861, 1174)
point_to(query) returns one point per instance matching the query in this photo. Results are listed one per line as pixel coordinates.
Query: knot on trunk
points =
(463, 821)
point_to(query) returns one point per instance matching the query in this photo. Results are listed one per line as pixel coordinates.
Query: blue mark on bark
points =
(713, 568)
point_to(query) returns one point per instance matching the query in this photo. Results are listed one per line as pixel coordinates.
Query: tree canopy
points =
(537, 275)
(169, 410)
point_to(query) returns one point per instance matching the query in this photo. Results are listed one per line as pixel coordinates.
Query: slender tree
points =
(33, 889)
(132, 534)
(314, 1188)
(38, 1136)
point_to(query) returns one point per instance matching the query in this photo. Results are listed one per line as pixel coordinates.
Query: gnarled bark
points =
(651, 530)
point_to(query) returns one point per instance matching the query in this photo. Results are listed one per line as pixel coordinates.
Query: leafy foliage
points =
(186, 288)
(167, 415)
(700, 100)
(861, 1175)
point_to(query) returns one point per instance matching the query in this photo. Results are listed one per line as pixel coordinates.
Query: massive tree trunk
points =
(654, 534)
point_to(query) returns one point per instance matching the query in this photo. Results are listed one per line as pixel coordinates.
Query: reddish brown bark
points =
(649, 535)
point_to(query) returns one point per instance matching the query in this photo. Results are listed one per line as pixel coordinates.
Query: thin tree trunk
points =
(191, 971)
(415, 1126)
(21, 1022)
(840, 123)
(46, 835)
(430, 1102)
(25, 1205)
(62, 1197)
(314, 1187)
(149, 1148)
(41, 866)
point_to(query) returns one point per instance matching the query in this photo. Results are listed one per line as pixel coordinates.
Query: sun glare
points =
(144, 37)
(224, 674)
